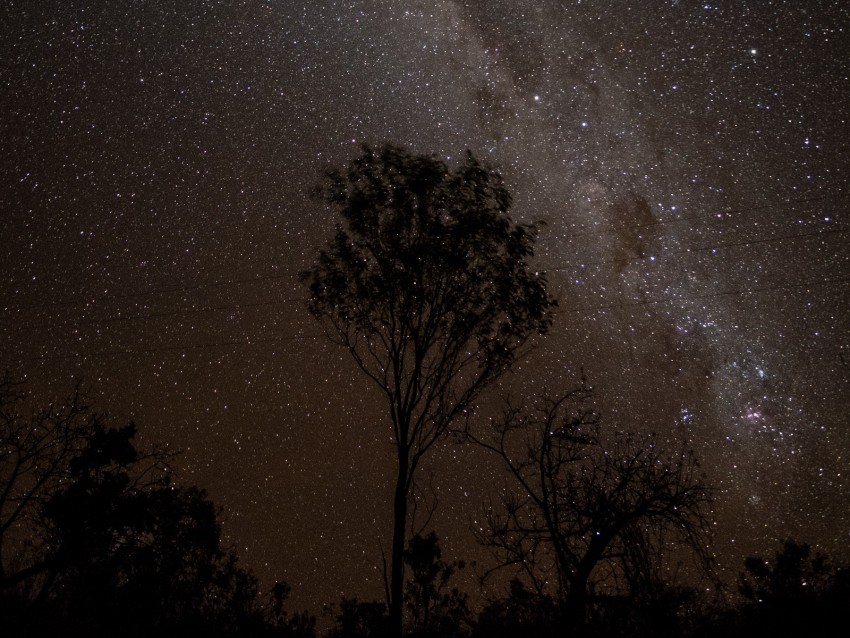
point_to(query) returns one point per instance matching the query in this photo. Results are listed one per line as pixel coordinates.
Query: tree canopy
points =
(103, 542)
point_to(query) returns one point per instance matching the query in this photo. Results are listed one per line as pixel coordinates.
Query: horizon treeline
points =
(98, 539)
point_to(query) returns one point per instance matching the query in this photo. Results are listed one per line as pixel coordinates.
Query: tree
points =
(435, 608)
(520, 613)
(427, 285)
(360, 620)
(115, 547)
(36, 450)
(591, 514)
(125, 551)
(286, 625)
(794, 575)
(128, 548)
(795, 594)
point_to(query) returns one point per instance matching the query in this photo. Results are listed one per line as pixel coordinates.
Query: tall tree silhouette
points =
(427, 285)
(590, 512)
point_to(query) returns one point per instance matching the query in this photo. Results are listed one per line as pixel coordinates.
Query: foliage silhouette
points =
(427, 285)
(435, 608)
(360, 620)
(123, 551)
(795, 594)
(591, 514)
(520, 613)
(280, 622)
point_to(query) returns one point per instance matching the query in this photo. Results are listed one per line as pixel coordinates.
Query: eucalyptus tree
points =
(427, 284)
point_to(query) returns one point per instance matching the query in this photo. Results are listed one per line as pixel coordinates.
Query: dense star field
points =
(689, 159)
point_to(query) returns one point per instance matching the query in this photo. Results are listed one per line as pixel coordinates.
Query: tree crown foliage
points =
(428, 278)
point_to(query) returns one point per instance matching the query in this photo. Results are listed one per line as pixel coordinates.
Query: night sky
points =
(690, 160)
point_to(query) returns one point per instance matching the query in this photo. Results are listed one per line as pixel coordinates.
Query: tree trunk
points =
(575, 610)
(575, 614)
(396, 601)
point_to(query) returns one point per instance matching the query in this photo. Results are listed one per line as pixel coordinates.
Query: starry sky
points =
(690, 161)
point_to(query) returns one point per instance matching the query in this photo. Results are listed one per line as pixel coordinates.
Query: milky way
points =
(689, 160)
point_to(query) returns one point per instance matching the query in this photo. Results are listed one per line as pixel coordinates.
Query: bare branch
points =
(597, 511)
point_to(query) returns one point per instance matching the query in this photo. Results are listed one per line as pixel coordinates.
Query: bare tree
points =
(428, 287)
(590, 513)
(35, 453)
